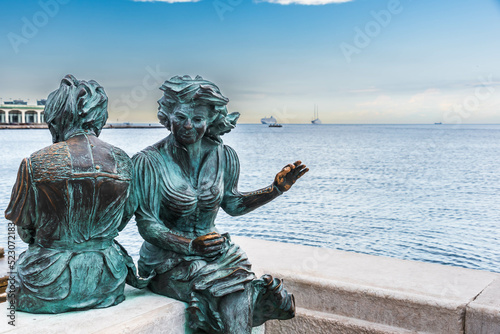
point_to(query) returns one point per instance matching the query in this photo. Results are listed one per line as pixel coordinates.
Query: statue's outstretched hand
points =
(209, 244)
(289, 174)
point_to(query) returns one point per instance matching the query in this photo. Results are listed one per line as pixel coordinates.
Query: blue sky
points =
(359, 61)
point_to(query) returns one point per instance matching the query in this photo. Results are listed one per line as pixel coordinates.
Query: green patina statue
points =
(180, 184)
(68, 204)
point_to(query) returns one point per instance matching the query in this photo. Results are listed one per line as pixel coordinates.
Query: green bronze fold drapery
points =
(68, 204)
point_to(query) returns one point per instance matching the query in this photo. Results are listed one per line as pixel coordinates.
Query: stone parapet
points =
(483, 314)
(142, 312)
(346, 292)
(335, 291)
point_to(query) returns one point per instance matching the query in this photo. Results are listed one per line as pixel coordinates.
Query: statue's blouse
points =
(68, 204)
(167, 195)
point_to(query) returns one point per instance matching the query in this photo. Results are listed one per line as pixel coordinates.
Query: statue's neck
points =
(78, 132)
(189, 158)
(194, 154)
(72, 133)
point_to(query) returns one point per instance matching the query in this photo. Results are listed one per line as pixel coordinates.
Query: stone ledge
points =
(307, 321)
(483, 314)
(336, 292)
(403, 295)
(391, 308)
(141, 312)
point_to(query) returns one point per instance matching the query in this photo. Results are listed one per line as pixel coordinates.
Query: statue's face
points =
(188, 122)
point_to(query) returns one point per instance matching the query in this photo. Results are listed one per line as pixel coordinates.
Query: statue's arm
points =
(147, 213)
(21, 209)
(153, 231)
(129, 208)
(131, 202)
(237, 203)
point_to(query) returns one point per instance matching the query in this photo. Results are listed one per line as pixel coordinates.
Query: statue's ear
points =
(81, 98)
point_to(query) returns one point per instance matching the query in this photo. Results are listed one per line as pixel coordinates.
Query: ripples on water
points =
(418, 192)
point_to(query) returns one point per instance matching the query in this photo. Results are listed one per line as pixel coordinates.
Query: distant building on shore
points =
(19, 112)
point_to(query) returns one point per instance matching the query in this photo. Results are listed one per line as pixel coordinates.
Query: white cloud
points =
(429, 94)
(304, 2)
(380, 101)
(365, 90)
(168, 1)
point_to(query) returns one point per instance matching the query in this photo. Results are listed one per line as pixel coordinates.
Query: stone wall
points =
(335, 291)
(345, 292)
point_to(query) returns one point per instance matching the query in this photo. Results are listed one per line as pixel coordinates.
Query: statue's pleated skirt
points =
(198, 281)
(54, 280)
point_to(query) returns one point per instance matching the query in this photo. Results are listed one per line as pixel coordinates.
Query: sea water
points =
(420, 192)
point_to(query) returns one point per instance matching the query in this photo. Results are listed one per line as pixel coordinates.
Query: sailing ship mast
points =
(316, 119)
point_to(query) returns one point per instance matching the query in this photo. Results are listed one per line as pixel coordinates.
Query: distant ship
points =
(438, 123)
(268, 120)
(316, 119)
(275, 125)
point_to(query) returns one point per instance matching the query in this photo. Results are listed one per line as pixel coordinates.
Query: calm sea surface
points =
(420, 192)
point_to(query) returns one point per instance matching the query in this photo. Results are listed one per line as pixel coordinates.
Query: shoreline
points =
(107, 126)
(5, 126)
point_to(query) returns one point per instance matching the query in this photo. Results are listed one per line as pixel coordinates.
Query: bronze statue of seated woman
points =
(68, 204)
(179, 185)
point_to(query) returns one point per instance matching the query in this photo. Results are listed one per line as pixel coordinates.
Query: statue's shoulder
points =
(229, 153)
(120, 154)
(111, 155)
(51, 161)
(54, 151)
(117, 152)
(151, 153)
(122, 159)
(231, 161)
